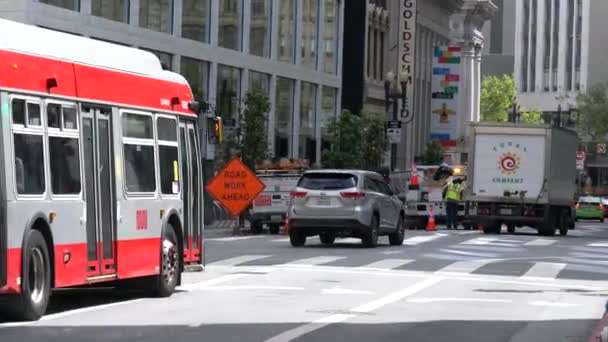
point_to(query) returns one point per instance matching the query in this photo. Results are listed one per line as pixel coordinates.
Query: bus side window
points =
(28, 144)
(168, 155)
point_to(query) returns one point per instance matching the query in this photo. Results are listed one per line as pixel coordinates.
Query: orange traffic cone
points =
(431, 226)
(414, 182)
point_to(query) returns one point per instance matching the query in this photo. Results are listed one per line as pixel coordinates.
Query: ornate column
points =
(466, 24)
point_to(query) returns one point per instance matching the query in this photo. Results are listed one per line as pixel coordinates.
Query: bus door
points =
(191, 191)
(99, 191)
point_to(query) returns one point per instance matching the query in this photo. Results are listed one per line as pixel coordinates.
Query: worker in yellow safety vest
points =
(453, 192)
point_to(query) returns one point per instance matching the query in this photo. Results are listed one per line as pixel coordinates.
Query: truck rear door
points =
(508, 164)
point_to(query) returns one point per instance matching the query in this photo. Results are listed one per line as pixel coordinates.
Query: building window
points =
(525, 55)
(138, 150)
(73, 5)
(117, 10)
(165, 58)
(230, 24)
(283, 116)
(308, 106)
(310, 32)
(168, 160)
(329, 99)
(259, 31)
(260, 81)
(331, 36)
(156, 15)
(195, 20)
(228, 93)
(555, 42)
(197, 74)
(533, 20)
(287, 30)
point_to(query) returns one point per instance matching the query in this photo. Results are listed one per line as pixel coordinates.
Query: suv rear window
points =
(589, 200)
(327, 181)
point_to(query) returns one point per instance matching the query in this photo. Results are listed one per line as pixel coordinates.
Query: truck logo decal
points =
(508, 163)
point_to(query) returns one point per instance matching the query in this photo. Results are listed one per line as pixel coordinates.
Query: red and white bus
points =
(100, 172)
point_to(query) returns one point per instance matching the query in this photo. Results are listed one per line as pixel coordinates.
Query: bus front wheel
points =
(32, 302)
(165, 283)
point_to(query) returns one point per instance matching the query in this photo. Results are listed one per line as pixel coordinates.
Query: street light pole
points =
(395, 89)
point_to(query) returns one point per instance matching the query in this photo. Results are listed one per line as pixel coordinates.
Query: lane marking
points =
(598, 244)
(540, 242)
(307, 328)
(478, 241)
(476, 254)
(251, 287)
(416, 240)
(464, 266)
(544, 270)
(316, 260)
(292, 334)
(212, 282)
(388, 263)
(553, 304)
(477, 300)
(235, 238)
(237, 260)
(341, 291)
(71, 313)
(397, 296)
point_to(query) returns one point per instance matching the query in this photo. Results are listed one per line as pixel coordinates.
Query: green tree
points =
(496, 98)
(593, 111)
(433, 155)
(254, 142)
(496, 101)
(345, 136)
(373, 140)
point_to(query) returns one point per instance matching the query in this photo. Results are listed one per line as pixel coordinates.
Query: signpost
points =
(393, 131)
(235, 187)
(580, 160)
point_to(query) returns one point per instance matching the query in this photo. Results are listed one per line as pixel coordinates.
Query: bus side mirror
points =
(194, 106)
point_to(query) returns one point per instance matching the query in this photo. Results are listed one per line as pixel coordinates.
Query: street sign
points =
(235, 187)
(393, 131)
(580, 160)
(601, 149)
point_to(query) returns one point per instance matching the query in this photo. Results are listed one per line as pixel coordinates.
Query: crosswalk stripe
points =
(416, 240)
(464, 266)
(598, 244)
(388, 263)
(237, 260)
(478, 241)
(317, 260)
(544, 270)
(235, 238)
(540, 242)
(477, 254)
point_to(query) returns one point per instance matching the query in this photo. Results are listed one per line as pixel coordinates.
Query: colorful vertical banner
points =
(446, 87)
(407, 51)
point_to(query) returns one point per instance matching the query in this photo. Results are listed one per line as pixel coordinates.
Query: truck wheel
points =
(511, 228)
(296, 238)
(256, 227)
(274, 229)
(31, 304)
(548, 228)
(327, 238)
(602, 220)
(492, 229)
(564, 225)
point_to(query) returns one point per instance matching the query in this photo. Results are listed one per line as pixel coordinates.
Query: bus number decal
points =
(141, 219)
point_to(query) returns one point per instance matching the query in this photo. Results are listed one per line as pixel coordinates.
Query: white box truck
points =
(521, 175)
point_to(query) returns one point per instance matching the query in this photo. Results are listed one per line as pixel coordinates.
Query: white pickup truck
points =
(270, 207)
(521, 175)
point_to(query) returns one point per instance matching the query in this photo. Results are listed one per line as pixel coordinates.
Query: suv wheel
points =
(327, 238)
(370, 238)
(396, 238)
(256, 227)
(296, 238)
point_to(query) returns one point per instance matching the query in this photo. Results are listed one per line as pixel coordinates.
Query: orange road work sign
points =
(235, 187)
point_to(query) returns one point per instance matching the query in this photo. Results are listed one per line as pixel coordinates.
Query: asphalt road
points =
(442, 286)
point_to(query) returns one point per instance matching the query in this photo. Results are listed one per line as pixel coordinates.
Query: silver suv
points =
(344, 203)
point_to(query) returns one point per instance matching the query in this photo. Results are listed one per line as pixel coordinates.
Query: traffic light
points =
(219, 129)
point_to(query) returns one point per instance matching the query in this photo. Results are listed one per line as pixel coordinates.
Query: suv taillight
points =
(298, 194)
(601, 206)
(352, 195)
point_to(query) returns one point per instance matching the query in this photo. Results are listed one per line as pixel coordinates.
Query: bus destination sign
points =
(235, 187)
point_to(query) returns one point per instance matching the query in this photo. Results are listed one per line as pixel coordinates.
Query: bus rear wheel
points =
(33, 301)
(165, 283)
